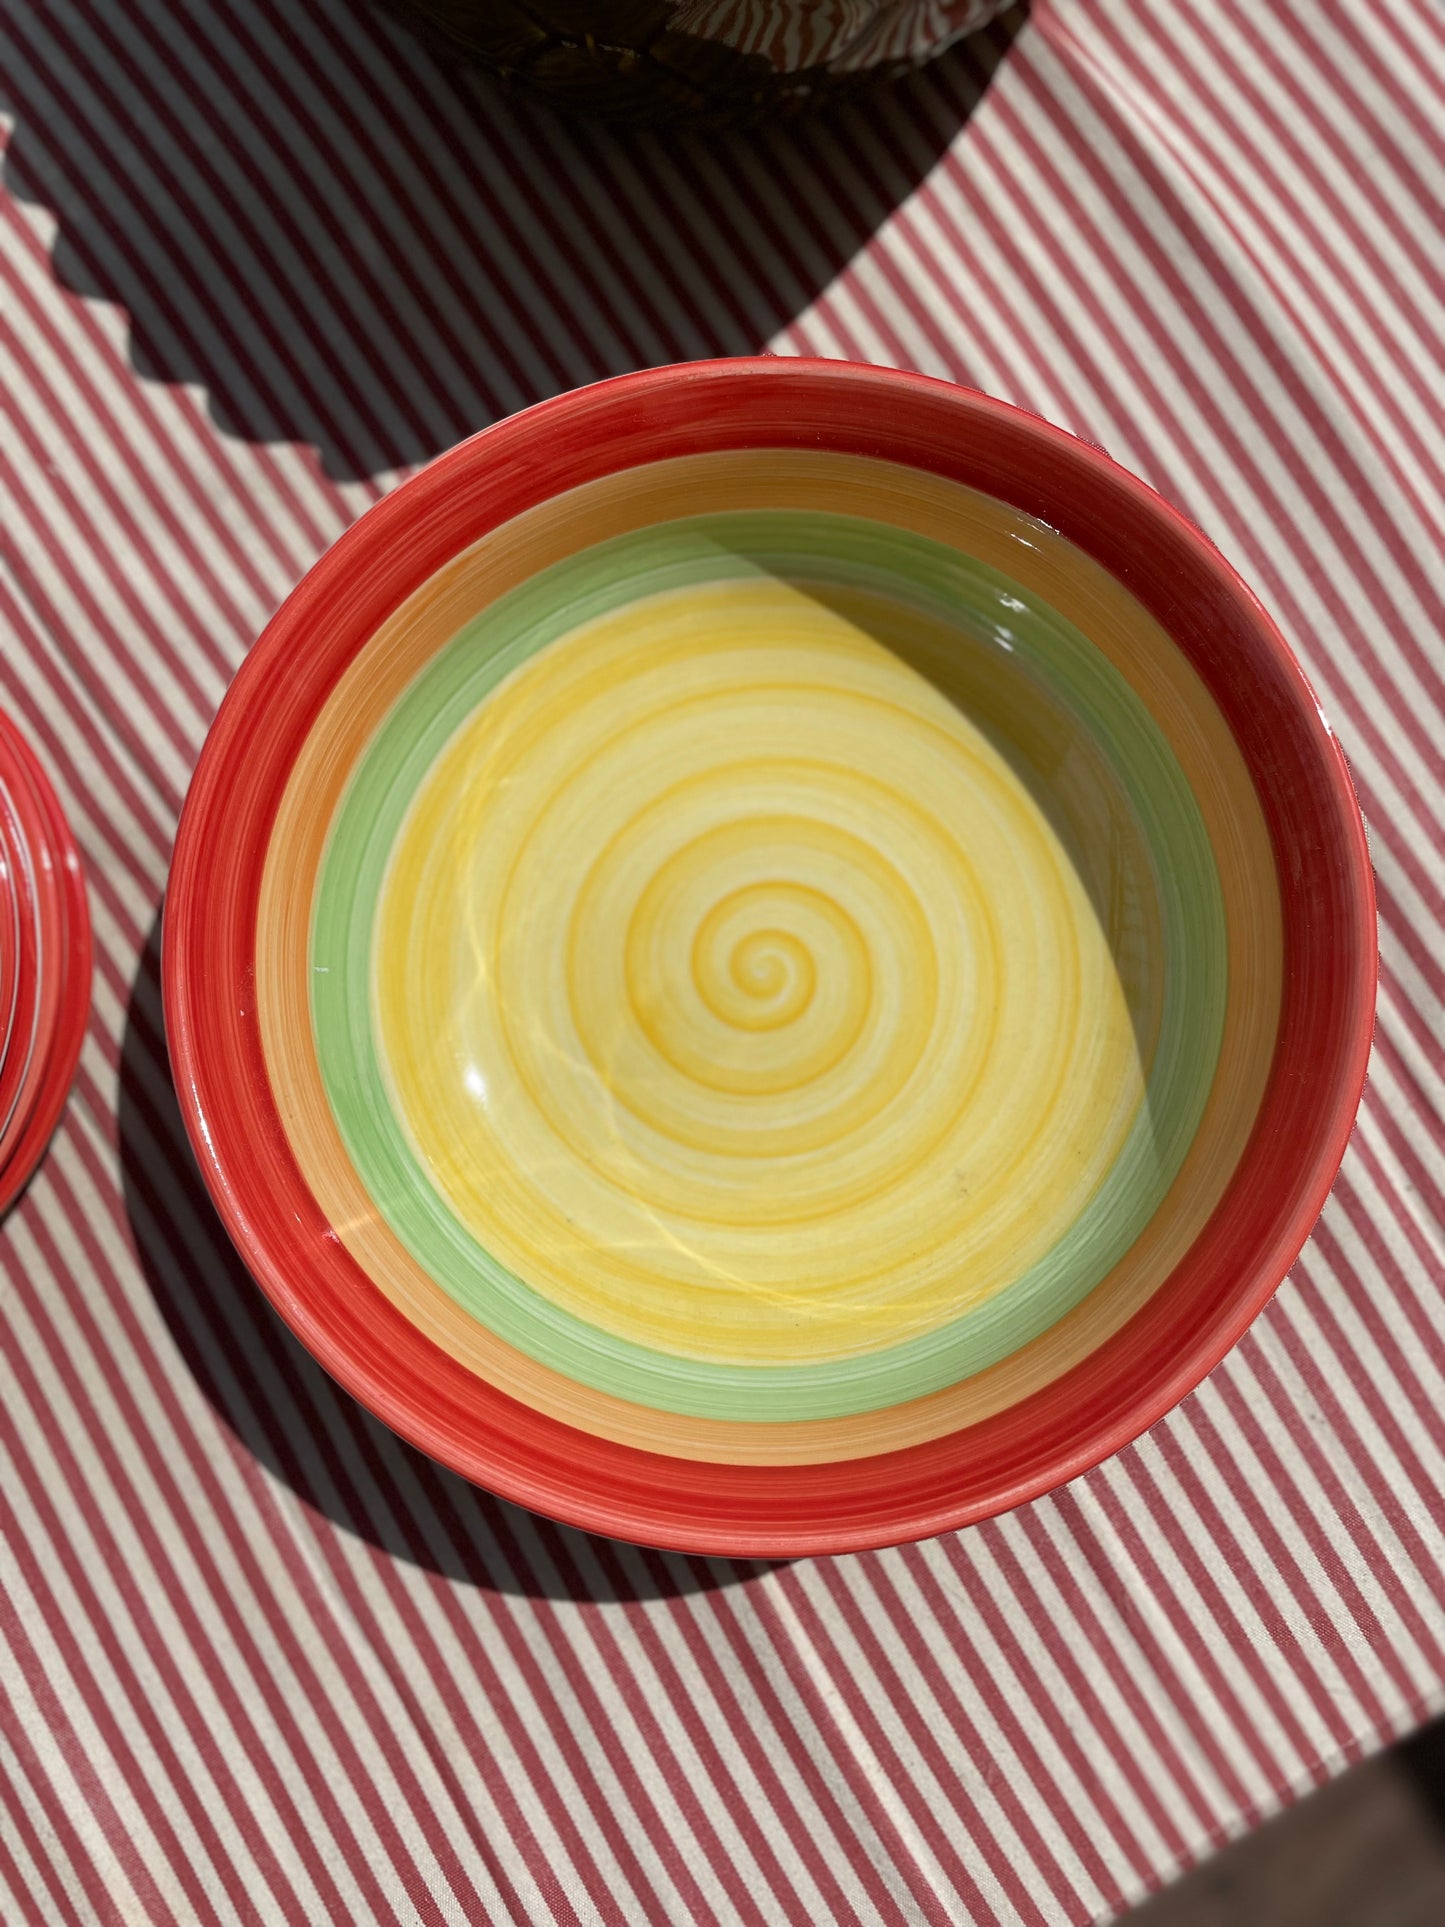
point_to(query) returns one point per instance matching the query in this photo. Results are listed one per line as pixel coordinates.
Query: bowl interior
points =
(769, 963)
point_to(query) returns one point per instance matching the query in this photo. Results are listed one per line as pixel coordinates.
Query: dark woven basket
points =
(716, 61)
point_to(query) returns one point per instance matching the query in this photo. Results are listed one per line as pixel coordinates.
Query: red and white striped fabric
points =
(262, 1662)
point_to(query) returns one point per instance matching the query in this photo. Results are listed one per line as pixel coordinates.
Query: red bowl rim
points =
(23, 1022)
(56, 1051)
(11, 941)
(1244, 1252)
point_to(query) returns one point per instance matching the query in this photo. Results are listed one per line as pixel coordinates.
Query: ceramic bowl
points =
(21, 992)
(770, 956)
(49, 1003)
(11, 934)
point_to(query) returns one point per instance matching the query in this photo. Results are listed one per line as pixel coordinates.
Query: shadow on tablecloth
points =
(345, 244)
(286, 1412)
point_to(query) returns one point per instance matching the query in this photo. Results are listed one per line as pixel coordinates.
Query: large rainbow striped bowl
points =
(770, 956)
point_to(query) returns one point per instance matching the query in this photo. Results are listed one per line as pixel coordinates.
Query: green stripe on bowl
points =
(816, 551)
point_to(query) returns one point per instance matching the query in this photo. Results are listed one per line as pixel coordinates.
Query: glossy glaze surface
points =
(715, 992)
(45, 967)
(9, 934)
(1044, 568)
(53, 968)
(934, 1476)
(22, 1027)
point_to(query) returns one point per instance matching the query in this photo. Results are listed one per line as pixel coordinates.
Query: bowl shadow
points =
(305, 1429)
(348, 243)
(243, 179)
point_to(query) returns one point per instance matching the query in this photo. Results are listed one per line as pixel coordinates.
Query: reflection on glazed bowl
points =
(45, 961)
(770, 956)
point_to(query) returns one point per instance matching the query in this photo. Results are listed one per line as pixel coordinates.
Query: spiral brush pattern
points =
(757, 979)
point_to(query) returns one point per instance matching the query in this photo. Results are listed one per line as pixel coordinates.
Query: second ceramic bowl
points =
(45, 961)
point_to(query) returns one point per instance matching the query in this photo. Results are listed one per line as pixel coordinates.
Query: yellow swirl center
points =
(729, 983)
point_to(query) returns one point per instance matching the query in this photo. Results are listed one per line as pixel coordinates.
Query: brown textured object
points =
(711, 60)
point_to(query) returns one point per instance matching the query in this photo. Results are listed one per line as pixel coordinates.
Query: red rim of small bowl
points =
(1236, 1263)
(42, 932)
(11, 937)
(25, 1018)
(65, 935)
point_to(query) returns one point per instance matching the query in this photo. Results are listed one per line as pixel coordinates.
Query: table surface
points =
(262, 1661)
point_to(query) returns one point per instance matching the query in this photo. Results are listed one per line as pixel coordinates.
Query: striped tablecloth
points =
(262, 1662)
